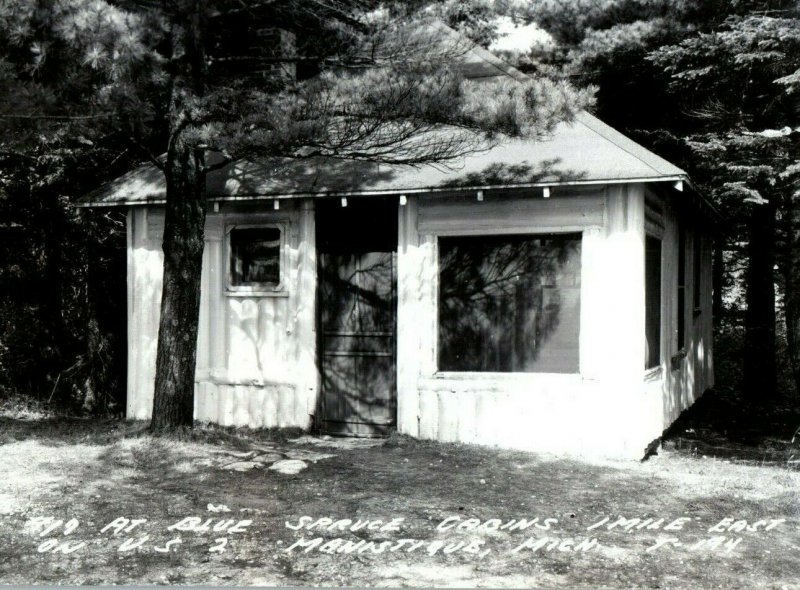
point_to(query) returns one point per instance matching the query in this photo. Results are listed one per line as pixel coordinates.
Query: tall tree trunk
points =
(717, 278)
(759, 347)
(173, 400)
(52, 312)
(791, 296)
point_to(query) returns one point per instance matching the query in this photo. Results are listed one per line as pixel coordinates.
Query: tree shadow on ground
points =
(722, 425)
(64, 430)
(164, 480)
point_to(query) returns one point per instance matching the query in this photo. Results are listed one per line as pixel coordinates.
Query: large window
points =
(652, 301)
(509, 303)
(255, 259)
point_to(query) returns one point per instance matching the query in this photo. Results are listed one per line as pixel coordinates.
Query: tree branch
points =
(56, 117)
(226, 159)
(143, 150)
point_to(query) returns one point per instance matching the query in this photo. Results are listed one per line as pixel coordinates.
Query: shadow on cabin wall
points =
(357, 316)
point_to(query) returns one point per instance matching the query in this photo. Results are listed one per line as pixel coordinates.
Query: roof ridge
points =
(644, 155)
(502, 65)
(481, 52)
(617, 138)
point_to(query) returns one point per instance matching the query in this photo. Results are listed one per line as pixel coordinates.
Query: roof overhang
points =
(160, 199)
(678, 183)
(582, 152)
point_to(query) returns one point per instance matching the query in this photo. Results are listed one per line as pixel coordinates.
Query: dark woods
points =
(62, 281)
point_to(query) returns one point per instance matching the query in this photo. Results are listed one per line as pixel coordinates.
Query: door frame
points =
(389, 204)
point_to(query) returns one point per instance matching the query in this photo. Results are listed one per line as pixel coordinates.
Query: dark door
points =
(357, 312)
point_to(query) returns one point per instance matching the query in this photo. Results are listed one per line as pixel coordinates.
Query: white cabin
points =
(551, 296)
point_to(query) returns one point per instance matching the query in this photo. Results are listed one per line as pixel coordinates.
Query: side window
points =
(696, 269)
(652, 301)
(254, 259)
(681, 286)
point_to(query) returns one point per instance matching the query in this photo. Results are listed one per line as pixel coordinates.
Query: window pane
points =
(652, 301)
(681, 286)
(696, 269)
(255, 256)
(509, 303)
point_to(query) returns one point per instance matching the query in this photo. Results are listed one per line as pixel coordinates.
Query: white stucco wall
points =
(600, 410)
(256, 355)
(257, 365)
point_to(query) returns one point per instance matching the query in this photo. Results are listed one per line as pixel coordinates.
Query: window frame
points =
(256, 289)
(439, 373)
(656, 235)
(697, 264)
(683, 237)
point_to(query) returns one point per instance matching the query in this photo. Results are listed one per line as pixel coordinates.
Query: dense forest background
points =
(711, 85)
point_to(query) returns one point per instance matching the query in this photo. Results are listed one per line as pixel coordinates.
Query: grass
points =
(96, 471)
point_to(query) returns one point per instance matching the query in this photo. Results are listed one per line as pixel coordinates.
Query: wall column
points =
(408, 310)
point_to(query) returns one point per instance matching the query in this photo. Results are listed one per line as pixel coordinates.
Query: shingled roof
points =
(585, 151)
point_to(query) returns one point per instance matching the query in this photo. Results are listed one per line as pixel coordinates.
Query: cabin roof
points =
(585, 151)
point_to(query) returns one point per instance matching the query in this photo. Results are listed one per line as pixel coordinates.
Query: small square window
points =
(255, 258)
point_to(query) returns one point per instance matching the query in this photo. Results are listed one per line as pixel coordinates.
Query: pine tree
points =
(57, 321)
(709, 85)
(369, 86)
(737, 80)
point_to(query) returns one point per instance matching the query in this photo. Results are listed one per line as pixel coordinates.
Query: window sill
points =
(256, 293)
(221, 377)
(497, 382)
(653, 374)
(480, 375)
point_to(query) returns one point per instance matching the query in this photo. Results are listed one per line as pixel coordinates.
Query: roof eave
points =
(159, 200)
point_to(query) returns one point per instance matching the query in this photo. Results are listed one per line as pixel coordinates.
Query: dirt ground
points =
(102, 502)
